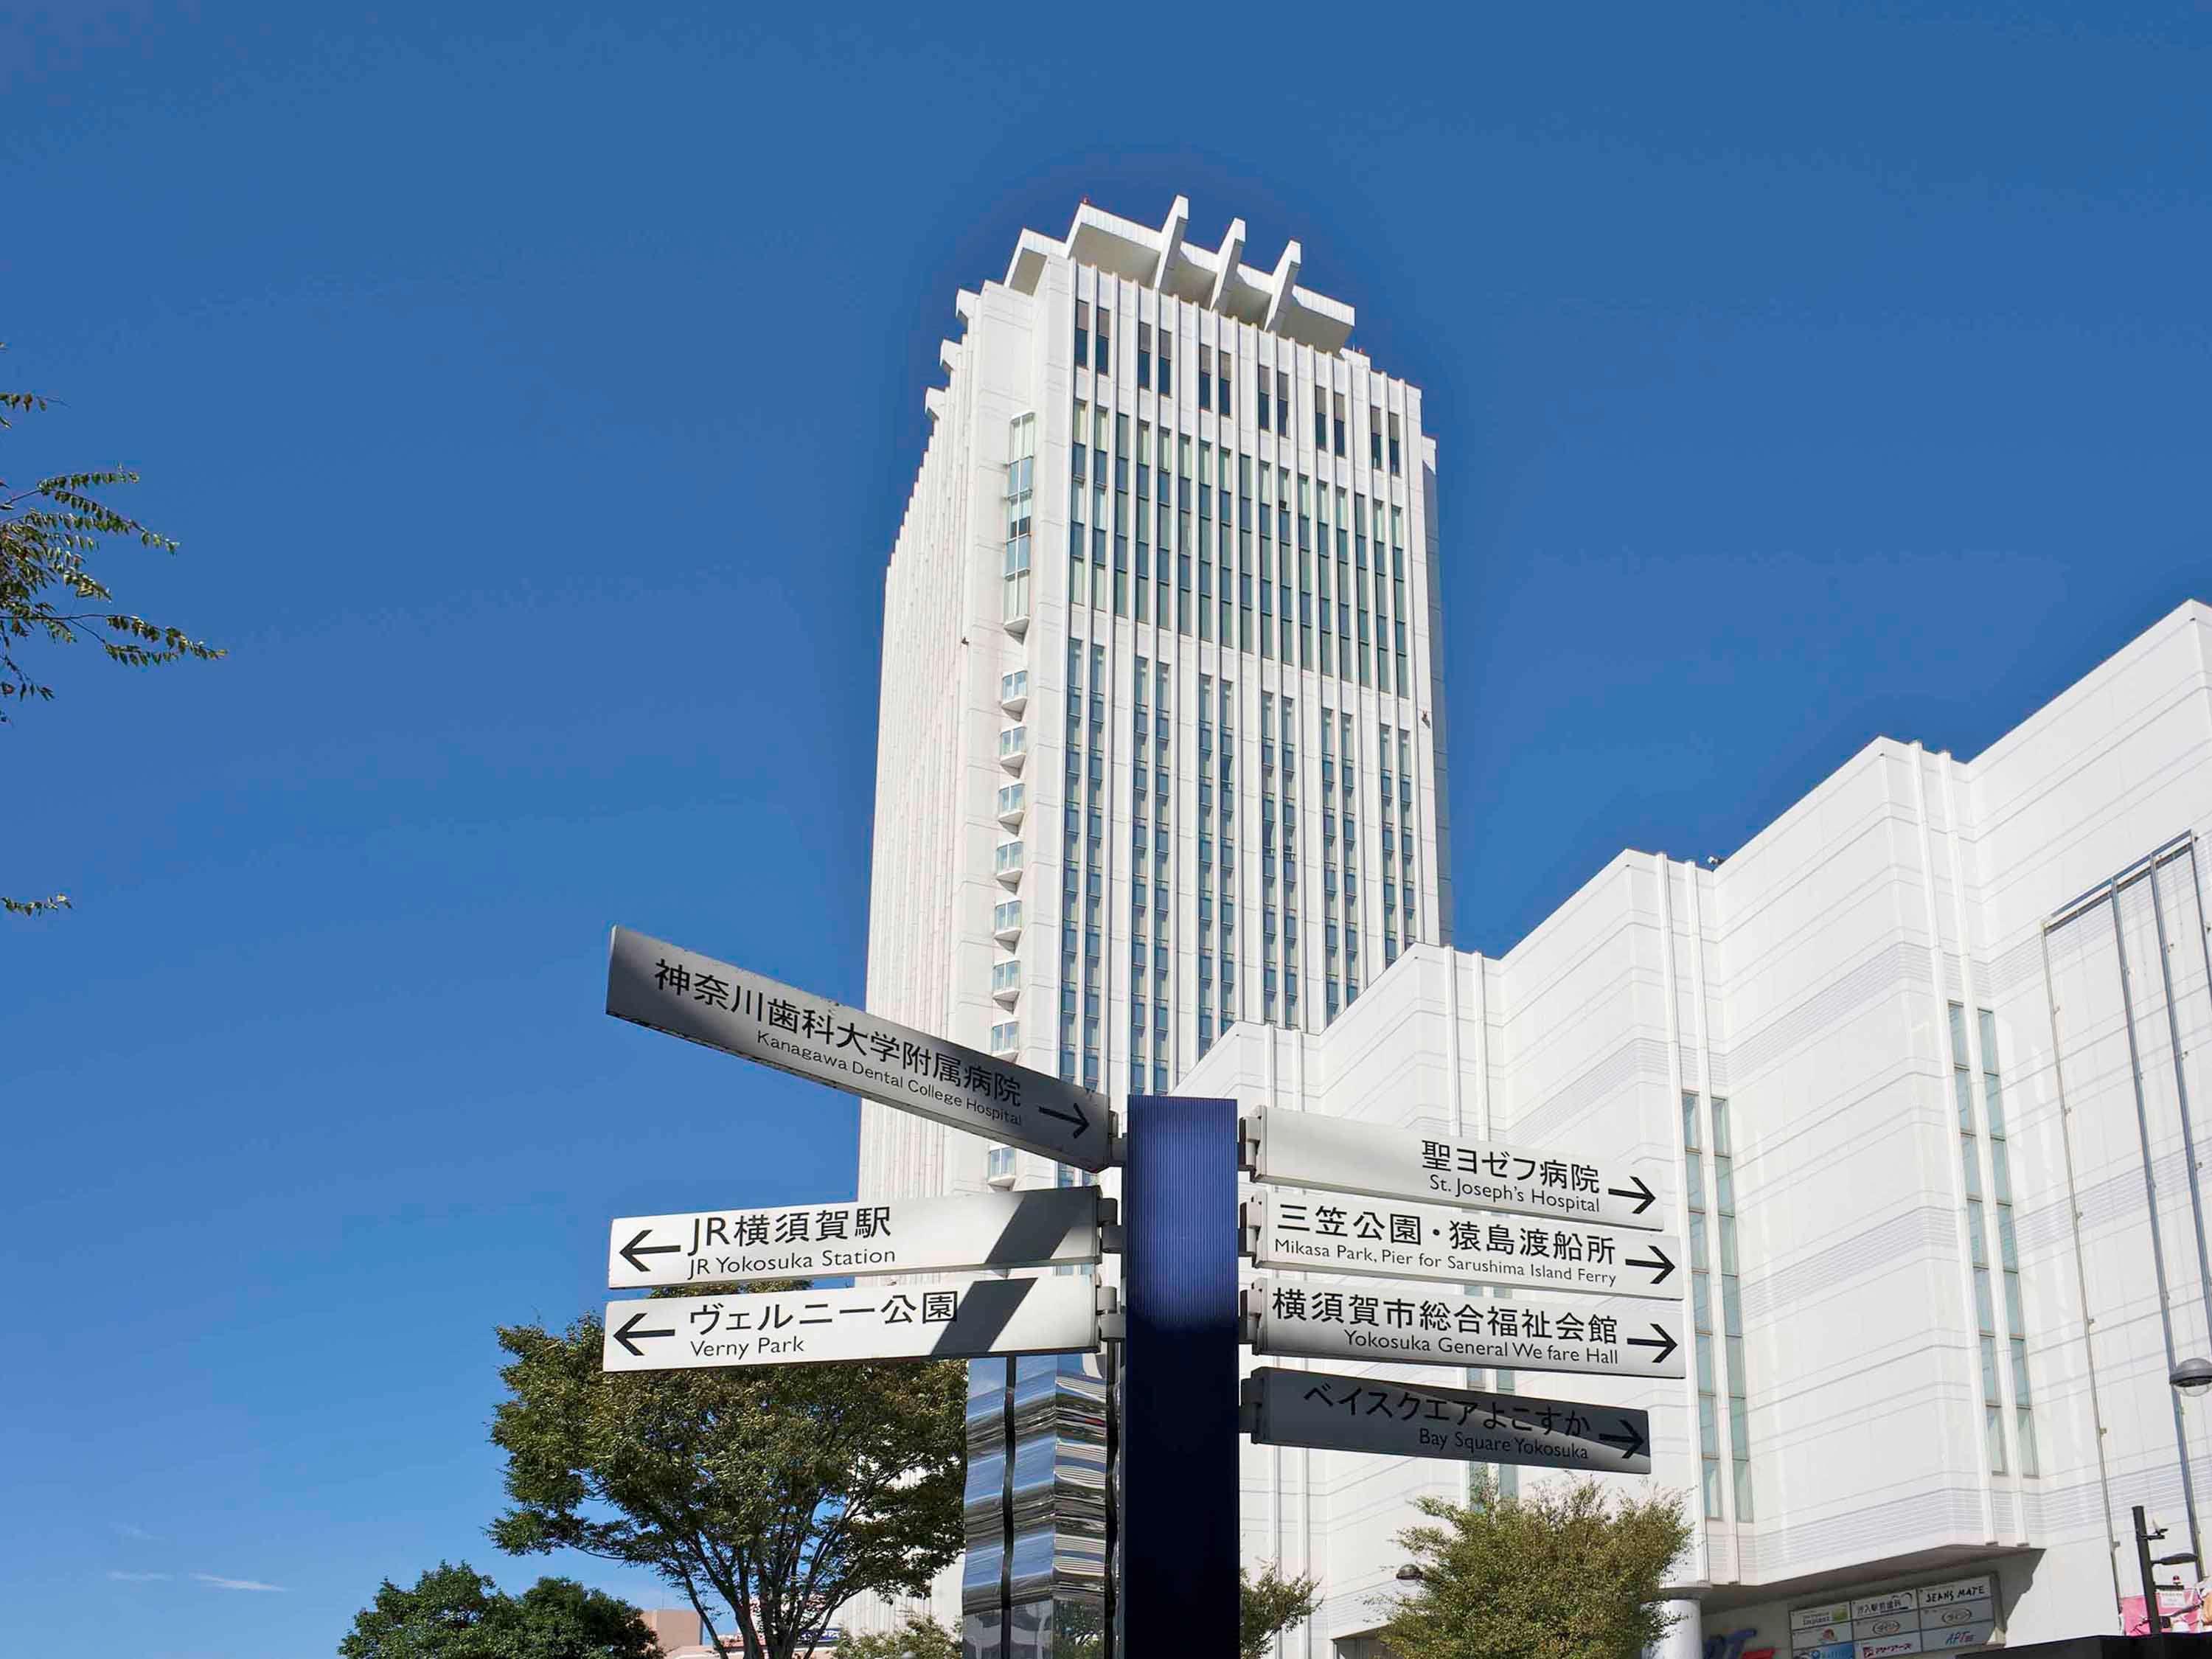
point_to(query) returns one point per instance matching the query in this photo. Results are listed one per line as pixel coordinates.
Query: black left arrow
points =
(1079, 1118)
(637, 1247)
(1666, 1344)
(1641, 1192)
(629, 1329)
(1632, 1445)
(1663, 1263)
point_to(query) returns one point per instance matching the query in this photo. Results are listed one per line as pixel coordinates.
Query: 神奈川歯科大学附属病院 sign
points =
(654, 983)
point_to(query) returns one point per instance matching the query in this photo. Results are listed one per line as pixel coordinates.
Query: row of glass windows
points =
(1218, 379)
(1719, 1348)
(2013, 1337)
(1334, 600)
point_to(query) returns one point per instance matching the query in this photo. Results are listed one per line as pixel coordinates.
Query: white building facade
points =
(1159, 754)
(1160, 806)
(1921, 1071)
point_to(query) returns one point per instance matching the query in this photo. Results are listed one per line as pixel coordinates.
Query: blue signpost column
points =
(1178, 1531)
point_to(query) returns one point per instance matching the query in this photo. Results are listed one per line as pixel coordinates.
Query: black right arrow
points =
(1641, 1192)
(1079, 1118)
(629, 1329)
(1665, 1266)
(1632, 1445)
(637, 1247)
(1666, 1344)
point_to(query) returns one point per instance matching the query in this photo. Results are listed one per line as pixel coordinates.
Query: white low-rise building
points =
(1919, 1072)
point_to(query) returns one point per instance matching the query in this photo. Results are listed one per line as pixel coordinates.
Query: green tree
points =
(1269, 1604)
(779, 1491)
(48, 594)
(1566, 1572)
(453, 1611)
(917, 1638)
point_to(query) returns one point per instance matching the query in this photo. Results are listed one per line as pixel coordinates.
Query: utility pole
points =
(2153, 1619)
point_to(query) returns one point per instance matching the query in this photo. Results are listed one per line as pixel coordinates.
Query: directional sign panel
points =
(1050, 1226)
(1405, 1419)
(685, 995)
(1416, 1324)
(1054, 1314)
(1402, 1240)
(1305, 1149)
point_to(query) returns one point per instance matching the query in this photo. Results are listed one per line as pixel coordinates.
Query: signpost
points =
(1052, 1227)
(696, 997)
(1173, 1480)
(1304, 1149)
(1053, 1315)
(1407, 1419)
(1413, 1324)
(1399, 1239)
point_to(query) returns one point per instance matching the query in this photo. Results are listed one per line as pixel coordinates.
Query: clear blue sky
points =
(535, 395)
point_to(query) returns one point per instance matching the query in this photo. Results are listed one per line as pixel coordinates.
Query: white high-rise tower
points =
(1161, 747)
(1161, 752)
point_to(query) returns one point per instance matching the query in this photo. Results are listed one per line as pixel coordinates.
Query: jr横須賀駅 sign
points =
(1410, 1419)
(1050, 1226)
(663, 986)
(1400, 1239)
(1305, 1149)
(1425, 1325)
(1058, 1314)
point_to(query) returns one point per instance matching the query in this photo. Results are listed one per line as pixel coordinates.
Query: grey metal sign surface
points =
(1053, 1315)
(1414, 1324)
(663, 986)
(1410, 1419)
(1398, 1239)
(1050, 1226)
(1305, 1149)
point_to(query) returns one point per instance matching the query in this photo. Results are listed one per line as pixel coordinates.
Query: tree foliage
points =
(1564, 1572)
(1269, 1604)
(917, 1638)
(453, 1611)
(49, 529)
(779, 1491)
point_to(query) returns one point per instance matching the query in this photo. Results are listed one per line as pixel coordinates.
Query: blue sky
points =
(535, 394)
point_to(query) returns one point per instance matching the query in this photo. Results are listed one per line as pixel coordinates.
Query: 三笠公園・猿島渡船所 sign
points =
(1398, 1239)
(663, 986)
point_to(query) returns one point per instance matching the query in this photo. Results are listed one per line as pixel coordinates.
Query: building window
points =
(1103, 357)
(2010, 1338)
(1082, 333)
(1282, 403)
(1719, 1342)
(1021, 464)
(1167, 361)
(1006, 1037)
(1228, 379)
(1144, 356)
(1394, 443)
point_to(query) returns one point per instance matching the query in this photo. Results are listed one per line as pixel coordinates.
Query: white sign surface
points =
(1399, 1239)
(1425, 1325)
(1305, 1149)
(1053, 1315)
(1959, 1613)
(1402, 1419)
(1050, 1226)
(671, 989)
